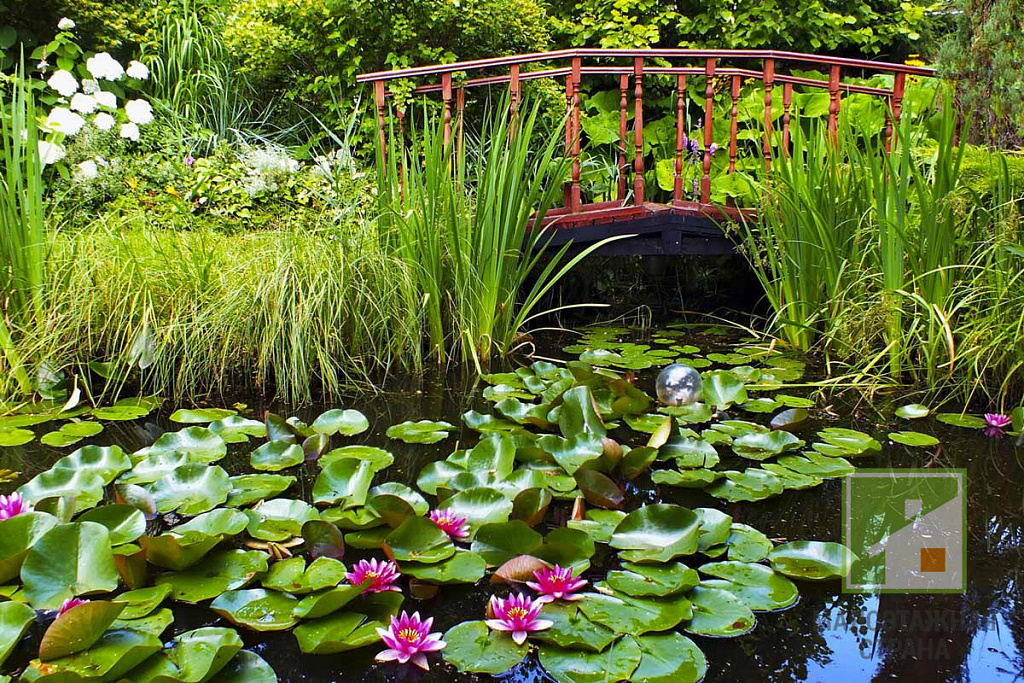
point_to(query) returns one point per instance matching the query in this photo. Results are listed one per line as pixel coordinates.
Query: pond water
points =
(826, 635)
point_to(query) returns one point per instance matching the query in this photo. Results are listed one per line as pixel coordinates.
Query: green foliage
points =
(982, 59)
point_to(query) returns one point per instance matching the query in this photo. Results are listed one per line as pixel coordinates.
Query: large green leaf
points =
(913, 411)
(110, 659)
(293, 576)
(656, 533)
(479, 506)
(961, 420)
(201, 415)
(499, 543)
(629, 615)
(354, 628)
(582, 431)
(19, 534)
(221, 572)
(669, 658)
(572, 629)
(763, 446)
(343, 483)
(418, 539)
(274, 456)
(246, 667)
(193, 657)
(257, 609)
(747, 544)
(142, 602)
(185, 545)
(462, 567)
(474, 648)
(68, 561)
(85, 488)
(751, 484)
(201, 444)
(814, 560)
(653, 580)
(843, 442)
(424, 431)
(124, 522)
(251, 488)
(15, 620)
(617, 663)
(914, 439)
(191, 489)
(344, 422)
(723, 389)
(760, 588)
(279, 519)
(106, 461)
(327, 601)
(238, 429)
(717, 612)
(378, 457)
(78, 629)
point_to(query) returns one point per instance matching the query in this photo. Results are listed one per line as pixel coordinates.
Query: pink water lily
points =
(450, 523)
(998, 420)
(70, 605)
(13, 505)
(382, 575)
(518, 615)
(409, 639)
(556, 583)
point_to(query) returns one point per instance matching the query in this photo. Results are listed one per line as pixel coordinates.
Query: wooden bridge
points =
(683, 219)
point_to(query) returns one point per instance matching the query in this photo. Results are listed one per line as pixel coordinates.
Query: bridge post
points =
(734, 125)
(623, 103)
(378, 95)
(833, 105)
(446, 95)
(769, 82)
(575, 195)
(787, 100)
(896, 106)
(460, 110)
(567, 187)
(680, 134)
(709, 110)
(513, 90)
(638, 131)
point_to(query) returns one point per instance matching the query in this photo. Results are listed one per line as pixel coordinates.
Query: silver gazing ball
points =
(678, 385)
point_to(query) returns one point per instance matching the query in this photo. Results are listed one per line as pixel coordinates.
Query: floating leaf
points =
(323, 540)
(760, 446)
(645, 580)
(238, 429)
(85, 488)
(717, 612)
(696, 479)
(669, 658)
(250, 488)
(15, 436)
(479, 506)
(572, 629)
(124, 522)
(275, 456)
(193, 657)
(463, 567)
(845, 442)
(143, 601)
(343, 483)
(78, 629)
(185, 545)
(246, 667)
(599, 489)
(749, 485)
(18, 535)
(747, 544)
(221, 572)
(328, 601)
(15, 620)
(656, 533)
(913, 411)
(573, 666)
(418, 540)
(790, 418)
(344, 422)
(292, 575)
(279, 519)
(110, 658)
(813, 464)
(631, 615)
(351, 629)
(202, 415)
(474, 648)
(812, 560)
(69, 561)
(191, 489)
(723, 389)
(257, 609)
(424, 431)
(914, 439)
(378, 458)
(958, 420)
(531, 505)
(760, 588)
(200, 443)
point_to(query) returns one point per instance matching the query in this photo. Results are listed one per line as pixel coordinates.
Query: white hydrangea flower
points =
(63, 120)
(130, 131)
(83, 103)
(102, 65)
(50, 153)
(87, 170)
(103, 121)
(102, 162)
(107, 100)
(90, 86)
(137, 69)
(139, 111)
(65, 24)
(63, 82)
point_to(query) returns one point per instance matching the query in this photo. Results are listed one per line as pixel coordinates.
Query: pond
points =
(825, 635)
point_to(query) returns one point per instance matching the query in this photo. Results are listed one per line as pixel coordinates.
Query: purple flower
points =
(517, 615)
(70, 605)
(998, 420)
(686, 141)
(713, 148)
(695, 190)
(694, 147)
(13, 505)
(408, 639)
(453, 525)
(382, 576)
(189, 160)
(556, 583)
(994, 432)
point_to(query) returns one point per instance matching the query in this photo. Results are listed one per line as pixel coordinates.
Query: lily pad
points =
(813, 560)
(418, 539)
(246, 667)
(573, 666)
(634, 615)
(723, 389)
(143, 601)
(237, 429)
(327, 601)
(845, 442)
(599, 489)
(571, 629)
(669, 658)
(292, 575)
(110, 658)
(17, 536)
(959, 420)
(124, 522)
(344, 422)
(463, 567)
(474, 648)
(354, 628)
(201, 444)
(763, 446)
(914, 439)
(424, 431)
(185, 545)
(598, 524)
(323, 539)
(279, 519)
(275, 456)
(653, 580)
(15, 620)
(718, 612)
(759, 587)
(789, 418)
(747, 544)
(751, 484)
(815, 465)
(343, 483)
(479, 506)
(191, 489)
(78, 629)
(85, 488)
(202, 415)
(250, 488)
(378, 458)
(68, 561)
(221, 572)
(913, 411)
(192, 657)
(656, 533)
(257, 609)
(15, 436)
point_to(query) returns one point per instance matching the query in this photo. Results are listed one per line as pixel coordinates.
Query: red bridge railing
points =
(769, 67)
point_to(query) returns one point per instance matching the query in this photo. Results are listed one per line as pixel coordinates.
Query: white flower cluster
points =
(264, 168)
(90, 169)
(69, 120)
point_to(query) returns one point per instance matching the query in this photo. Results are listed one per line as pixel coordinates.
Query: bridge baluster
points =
(680, 135)
(446, 95)
(769, 82)
(734, 125)
(623, 102)
(513, 89)
(575, 196)
(567, 187)
(833, 105)
(896, 105)
(787, 101)
(638, 131)
(709, 101)
(378, 94)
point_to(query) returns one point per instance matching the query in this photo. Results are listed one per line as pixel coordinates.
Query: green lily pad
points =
(813, 560)
(845, 442)
(343, 483)
(689, 452)
(913, 411)
(669, 658)
(462, 567)
(499, 543)
(237, 429)
(185, 545)
(573, 666)
(723, 388)
(749, 485)
(15, 436)
(378, 458)
(791, 479)
(344, 422)
(418, 539)
(598, 524)
(652, 580)
(656, 533)
(717, 612)
(78, 629)
(142, 602)
(582, 431)
(689, 414)
(200, 443)
(275, 456)
(247, 489)
(192, 657)
(714, 528)
(155, 467)
(474, 648)
(120, 413)
(17, 536)
(154, 623)
(761, 405)
(68, 561)
(292, 575)
(599, 489)
(747, 544)
(221, 572)
(759, 587)
(191, 489)
(789, 418)
(914, 439)
(323, 539)
(257, 609)
(351, 629)
(115, 654)
(15, 620)
(694, 479)
(424, 431)
(85, 488)
(246, 667)
(958, 420)
(327, 601)
(815, 465)
(279, 519)
(571, 629)
(479, 506)
(202, 415)
(632, 615)
(124, 522)
(763, 446)
(531, 505)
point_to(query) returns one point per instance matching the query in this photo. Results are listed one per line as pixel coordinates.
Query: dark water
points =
(826, 636)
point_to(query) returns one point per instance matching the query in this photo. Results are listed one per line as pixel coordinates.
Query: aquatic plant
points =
(409, 640)
(556, 583)
(518, 614)
(998, 420)
(382, 576)
(453, 525)
(70, 605)
(13, 505)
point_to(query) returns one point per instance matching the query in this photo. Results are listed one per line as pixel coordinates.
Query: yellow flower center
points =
(372, 575)
(409, 635)
(517, 613)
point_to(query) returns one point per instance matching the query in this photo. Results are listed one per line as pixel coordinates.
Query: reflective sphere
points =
(678, 385)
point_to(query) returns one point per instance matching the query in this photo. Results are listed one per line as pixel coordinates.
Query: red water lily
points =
(408, 640)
